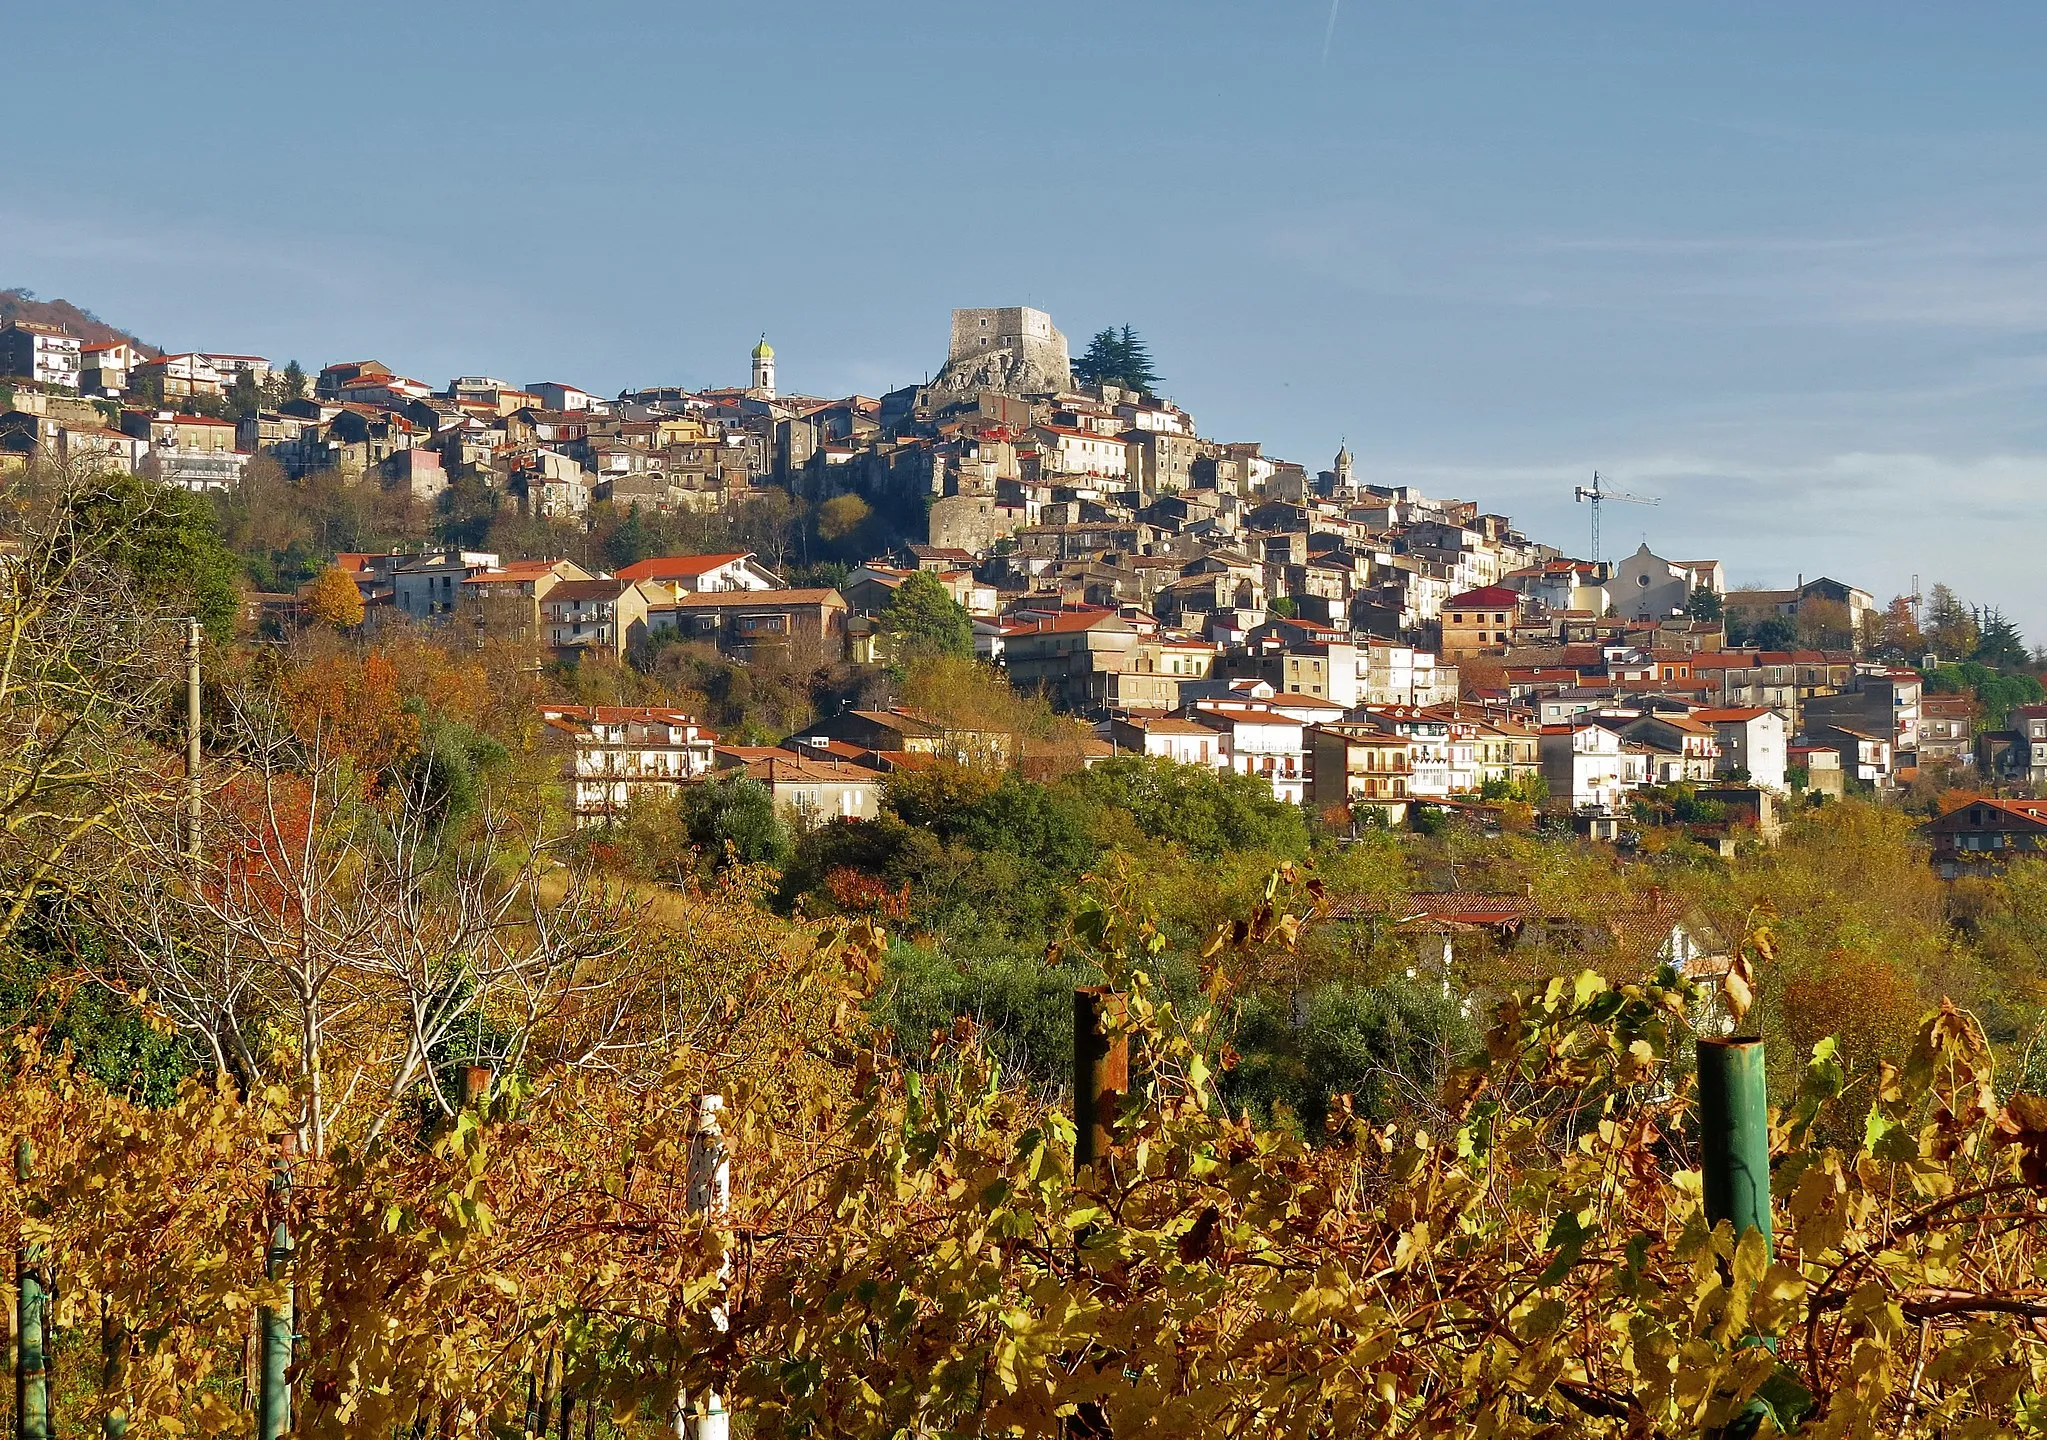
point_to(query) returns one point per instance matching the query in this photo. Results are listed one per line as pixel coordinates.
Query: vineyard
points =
(483, 1138)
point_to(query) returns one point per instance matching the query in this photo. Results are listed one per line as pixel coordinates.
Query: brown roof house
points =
(506, 597)
(594, 616)
(741, 622)
(1985, 834)
(897, 731)
(812, 792)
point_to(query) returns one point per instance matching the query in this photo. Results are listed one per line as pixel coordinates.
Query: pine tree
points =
(1098, 363)
(1116, 357)
(1138, 372)
(1998, 639)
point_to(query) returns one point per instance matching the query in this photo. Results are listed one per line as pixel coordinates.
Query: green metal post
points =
(1101, 1072)
(31, 1374)
(273, 1405)
(1734, 1129)
(1734, 1133)
(274, 1323)
(114, 1372)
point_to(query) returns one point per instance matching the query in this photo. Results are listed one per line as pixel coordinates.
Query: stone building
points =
(1013, 351)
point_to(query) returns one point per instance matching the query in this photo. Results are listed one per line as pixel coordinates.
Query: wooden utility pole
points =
(193, 819)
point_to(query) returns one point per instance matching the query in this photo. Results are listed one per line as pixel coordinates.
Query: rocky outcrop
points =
(1027, 369)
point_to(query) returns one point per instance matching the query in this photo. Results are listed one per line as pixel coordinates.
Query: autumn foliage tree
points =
(333, 598)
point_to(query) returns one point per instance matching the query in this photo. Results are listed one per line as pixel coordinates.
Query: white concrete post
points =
(710, 1190)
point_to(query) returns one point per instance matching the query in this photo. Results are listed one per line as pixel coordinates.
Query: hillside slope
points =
(22, 304)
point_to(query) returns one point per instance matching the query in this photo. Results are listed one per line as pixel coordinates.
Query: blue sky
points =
(1784, 267)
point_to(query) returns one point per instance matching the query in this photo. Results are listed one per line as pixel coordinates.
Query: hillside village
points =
(1362, 648)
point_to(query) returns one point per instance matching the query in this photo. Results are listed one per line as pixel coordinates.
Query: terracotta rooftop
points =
(677, 567)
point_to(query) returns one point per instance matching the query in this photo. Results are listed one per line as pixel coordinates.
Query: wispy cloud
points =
(1990, 277)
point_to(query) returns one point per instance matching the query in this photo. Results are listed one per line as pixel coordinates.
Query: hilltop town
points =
(1363, 649)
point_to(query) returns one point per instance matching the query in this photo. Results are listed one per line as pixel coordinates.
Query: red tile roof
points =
(678, 567)
(1486, 597)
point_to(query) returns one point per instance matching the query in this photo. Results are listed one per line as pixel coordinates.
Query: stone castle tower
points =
(1017, 351)
(764, 368)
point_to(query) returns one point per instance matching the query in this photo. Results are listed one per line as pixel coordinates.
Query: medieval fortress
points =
(1016, 351)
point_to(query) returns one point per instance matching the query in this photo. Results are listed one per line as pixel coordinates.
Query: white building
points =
(91, 447)
(1587, 765)
(1685, 750)
(1753, 740)
(621, 753)
(689, 574)
(1068, 451)
(764, 369)
(1431, 764)
(389, 392)
(567, 398)
(477, 389)
(1185, 742)
(185, 375)
(43, 353)
(228, 367)
(556, 485)
(430, 584)
(104, 368)
(1392, 674)
(1253, 740)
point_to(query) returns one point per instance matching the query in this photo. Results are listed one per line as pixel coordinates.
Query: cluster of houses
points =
(1188, 597)
(831, 770)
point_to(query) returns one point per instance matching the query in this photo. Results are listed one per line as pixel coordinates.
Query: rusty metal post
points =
(1101, 1072)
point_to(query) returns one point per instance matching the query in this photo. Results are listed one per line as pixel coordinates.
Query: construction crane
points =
(1597, 493)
